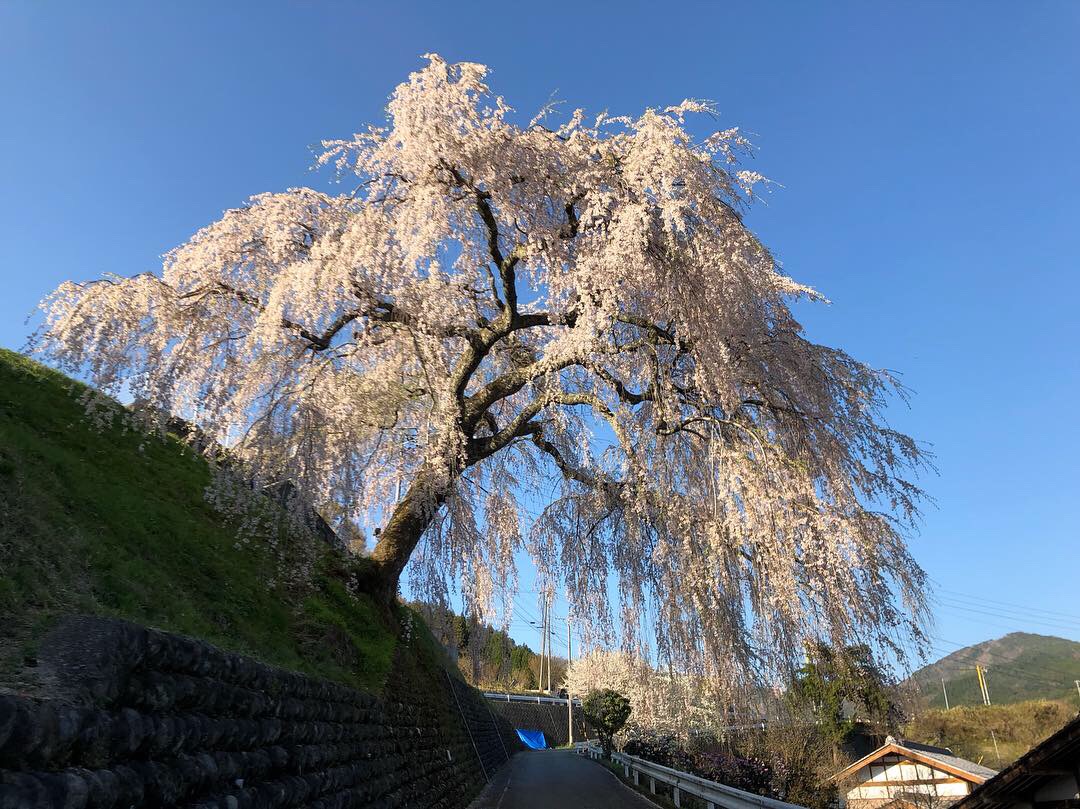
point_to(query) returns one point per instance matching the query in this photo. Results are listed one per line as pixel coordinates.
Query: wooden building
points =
(905, 775)
(1046, 777)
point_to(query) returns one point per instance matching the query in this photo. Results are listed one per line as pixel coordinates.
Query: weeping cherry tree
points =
(560, 337)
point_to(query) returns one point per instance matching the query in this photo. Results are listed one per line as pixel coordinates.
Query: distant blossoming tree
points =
(662, 702)
(494, 307)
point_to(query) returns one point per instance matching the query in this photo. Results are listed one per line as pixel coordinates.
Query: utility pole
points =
(996, 751)
(946, 693)
(547, 634)
(543, 642)
(570, 699)
(982, 684)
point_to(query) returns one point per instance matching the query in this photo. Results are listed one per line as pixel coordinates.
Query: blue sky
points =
(926, 156)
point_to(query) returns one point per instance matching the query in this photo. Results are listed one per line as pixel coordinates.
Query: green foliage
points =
(833, 679)
(521, 658)
(526, 678)
(113, 522)
(461, 632)
(606, 710)
(966, 730)
(497, 653)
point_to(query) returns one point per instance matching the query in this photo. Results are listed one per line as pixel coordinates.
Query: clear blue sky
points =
(927, 155)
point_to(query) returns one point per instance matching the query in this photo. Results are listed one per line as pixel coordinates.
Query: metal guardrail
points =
(683, 783)
(537, 699)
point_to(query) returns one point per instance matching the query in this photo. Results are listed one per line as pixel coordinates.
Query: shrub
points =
(607, 711)
(749, 774)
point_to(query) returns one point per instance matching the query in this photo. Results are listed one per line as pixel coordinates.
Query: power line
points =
(524, 610)
(1047, 675)
(996, 657)
(1004, 614)
(1000, 624)
(997, 624)
(1025, 608)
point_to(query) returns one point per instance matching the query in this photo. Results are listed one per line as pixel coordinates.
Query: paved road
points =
(557, 779)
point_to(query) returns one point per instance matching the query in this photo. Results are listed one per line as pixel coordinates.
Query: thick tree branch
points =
(507, 384)
(568, 469)
(504, 263)
(664, 333)
(410, 518)
(317, 342)
(624, 393)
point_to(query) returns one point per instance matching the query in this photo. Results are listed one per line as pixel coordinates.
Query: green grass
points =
(112, 522)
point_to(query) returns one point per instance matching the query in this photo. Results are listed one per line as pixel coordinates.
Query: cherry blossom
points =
(495, 315)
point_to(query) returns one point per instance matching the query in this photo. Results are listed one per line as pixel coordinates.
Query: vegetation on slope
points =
(113, 522)
(1021, 666)
(967, 730)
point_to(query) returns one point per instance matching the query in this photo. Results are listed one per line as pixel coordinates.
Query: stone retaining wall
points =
(146, 718)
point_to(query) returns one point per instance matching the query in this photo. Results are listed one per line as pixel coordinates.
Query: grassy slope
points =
(1018, 727)
(111, 522)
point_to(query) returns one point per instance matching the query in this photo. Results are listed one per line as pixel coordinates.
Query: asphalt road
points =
(557, 779)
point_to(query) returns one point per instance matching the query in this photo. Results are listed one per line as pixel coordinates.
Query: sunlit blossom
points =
(566, 318)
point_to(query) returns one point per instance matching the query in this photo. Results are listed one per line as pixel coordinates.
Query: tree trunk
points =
(411, 517)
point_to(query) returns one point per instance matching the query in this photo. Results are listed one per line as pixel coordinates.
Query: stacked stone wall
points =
(146, 718)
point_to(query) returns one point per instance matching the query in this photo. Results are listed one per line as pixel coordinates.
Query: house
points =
(1046, 777)
(905, 775)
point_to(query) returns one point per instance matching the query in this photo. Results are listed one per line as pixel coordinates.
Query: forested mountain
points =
(1019, 666)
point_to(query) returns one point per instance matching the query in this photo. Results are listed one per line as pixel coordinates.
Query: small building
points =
(1046, 777)
(906, 775)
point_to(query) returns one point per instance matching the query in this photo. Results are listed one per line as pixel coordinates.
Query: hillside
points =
(967, 730)
(115, 523)
(487, 657)
(103, 520)
(1019, 666)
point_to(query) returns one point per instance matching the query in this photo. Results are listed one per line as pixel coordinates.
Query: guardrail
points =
(538, 698)
(683, 783)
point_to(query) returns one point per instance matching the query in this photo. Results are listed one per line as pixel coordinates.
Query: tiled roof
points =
(957, 762)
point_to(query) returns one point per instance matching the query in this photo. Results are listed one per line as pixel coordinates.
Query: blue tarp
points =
(532, 738)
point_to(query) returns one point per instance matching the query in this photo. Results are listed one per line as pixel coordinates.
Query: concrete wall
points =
(145, 718)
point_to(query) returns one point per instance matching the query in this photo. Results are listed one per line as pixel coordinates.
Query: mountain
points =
(1019, 666)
